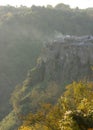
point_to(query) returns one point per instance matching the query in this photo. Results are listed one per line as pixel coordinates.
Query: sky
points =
(29, 3)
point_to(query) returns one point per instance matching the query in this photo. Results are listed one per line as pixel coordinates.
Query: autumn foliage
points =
(74, 111)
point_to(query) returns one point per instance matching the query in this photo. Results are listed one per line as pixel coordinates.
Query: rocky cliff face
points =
(62, 61)
(68, 58)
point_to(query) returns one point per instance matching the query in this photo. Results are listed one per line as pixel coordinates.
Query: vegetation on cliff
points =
(73, 111)
(23, 33)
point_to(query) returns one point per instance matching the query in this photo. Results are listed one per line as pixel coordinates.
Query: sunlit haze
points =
(72, 3)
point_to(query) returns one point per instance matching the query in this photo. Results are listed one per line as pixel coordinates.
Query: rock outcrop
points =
(68, 58)
(63, 60)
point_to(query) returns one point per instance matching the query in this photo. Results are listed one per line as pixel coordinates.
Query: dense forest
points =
(34, 102)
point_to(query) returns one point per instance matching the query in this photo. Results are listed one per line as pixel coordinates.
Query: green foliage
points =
(67, 123)
(9, 122)
(77, 104)
(45, 116)
(22, 32)
(76, 91)
(28, 98)
(63, 116)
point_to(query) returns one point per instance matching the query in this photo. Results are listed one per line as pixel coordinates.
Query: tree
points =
(77, 103)
(68, 113)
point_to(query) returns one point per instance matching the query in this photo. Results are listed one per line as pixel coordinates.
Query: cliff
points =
(62, 61)
(68, 58)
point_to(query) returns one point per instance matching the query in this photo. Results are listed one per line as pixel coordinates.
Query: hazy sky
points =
(72, 3)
